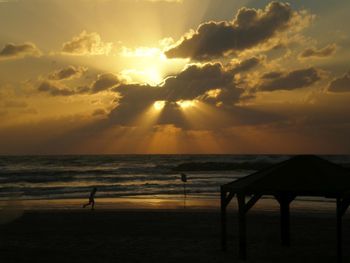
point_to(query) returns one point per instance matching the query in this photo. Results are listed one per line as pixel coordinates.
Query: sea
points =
(121, 176)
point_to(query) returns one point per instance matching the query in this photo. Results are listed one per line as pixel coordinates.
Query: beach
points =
(164, 235)
(142, 214)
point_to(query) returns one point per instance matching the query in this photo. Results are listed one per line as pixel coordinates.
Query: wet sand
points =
(164, 236)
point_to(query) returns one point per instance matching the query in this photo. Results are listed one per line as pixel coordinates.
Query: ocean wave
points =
(51, 177)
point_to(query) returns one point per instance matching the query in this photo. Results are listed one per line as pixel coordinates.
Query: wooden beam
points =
(228, 198)
(252, 202)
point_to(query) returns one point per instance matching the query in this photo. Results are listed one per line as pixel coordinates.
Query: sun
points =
(150, 75)
(153, 76)
(149, 65)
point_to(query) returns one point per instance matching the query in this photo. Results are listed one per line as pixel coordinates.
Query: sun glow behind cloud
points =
(185, 104)
(159, 104)
(151, 75)
(148, 65)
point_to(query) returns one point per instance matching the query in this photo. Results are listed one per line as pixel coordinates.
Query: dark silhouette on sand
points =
(304, 175)
(91, 199)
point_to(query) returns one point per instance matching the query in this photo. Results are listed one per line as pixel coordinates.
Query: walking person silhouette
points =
(91, 199)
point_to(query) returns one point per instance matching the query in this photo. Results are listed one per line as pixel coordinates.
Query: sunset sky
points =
(174, 76)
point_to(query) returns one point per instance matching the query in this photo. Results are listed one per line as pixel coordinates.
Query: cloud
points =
(191, 84)
(250, 28)
(70, 72)
(135, 99)
(248, 64)
(194, 81)
(13, 51)
(341, 84)
(55, 89)
(105, 81)
(99, 112)
(318, 53)
(296, 79)
(86, 44)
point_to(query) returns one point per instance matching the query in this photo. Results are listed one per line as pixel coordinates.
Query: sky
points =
(174, 77)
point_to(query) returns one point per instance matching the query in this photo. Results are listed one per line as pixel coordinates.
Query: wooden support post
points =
(342, 206)
(223, 221)
(284, 201)
(285, 223)
(339, 231)
(242, 227)
(243, 208)
(225, 200)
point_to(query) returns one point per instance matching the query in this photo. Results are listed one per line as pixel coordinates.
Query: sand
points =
(154, 235)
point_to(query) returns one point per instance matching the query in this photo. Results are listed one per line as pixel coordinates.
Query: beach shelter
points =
(304, 175)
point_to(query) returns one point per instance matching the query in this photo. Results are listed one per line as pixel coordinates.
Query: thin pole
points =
(184, 195)
(223, 222)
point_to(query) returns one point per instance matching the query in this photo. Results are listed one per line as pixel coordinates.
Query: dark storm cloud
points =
(195, 81)
(318, 53)
(11, 51)
(249, 28)
(139, 93)
(247, 64)
(69, 72)
(341, 84)
(135, 101)
(290, 80)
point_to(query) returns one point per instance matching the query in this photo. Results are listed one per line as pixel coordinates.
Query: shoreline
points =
(145, 203)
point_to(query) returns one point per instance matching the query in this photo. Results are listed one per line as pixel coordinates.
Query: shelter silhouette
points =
(303, 175)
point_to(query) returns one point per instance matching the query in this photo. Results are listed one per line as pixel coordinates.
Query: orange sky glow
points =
(190, 76)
